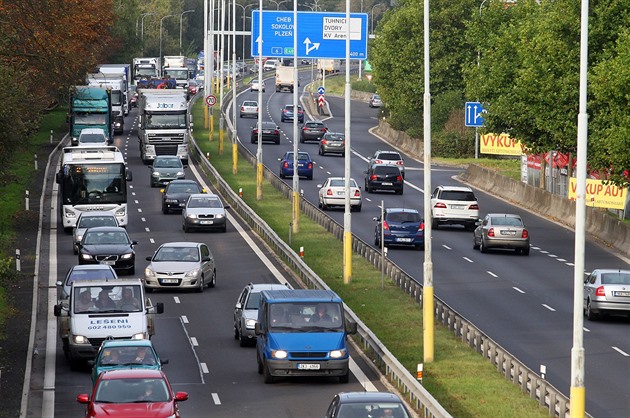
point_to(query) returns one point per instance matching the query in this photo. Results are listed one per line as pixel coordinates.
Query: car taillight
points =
(242, 108)
(329, 192)
(324, 141)
(373, 177)
(440, 205)
(285, 165)
(357, 193)
(385, 226)
(324, 129)
(600, 291)
(304, 128)
(400, 163)
(378, 161)
(399, 178)
(491, 232)
(255, 131)
(275, 132)
(525, 234)
(310, 165)
(475, 207)
(421, 228)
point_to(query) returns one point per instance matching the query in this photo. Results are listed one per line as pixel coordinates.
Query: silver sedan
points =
(501, 230)
(606, 291)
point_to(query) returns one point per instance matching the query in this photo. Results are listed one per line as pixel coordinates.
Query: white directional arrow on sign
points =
(307, 42)
(259, 41)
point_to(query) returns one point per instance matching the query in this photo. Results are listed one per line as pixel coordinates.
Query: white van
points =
(270, 65)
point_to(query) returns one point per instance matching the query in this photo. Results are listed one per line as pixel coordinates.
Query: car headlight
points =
(192, 273)
(191, 215)
(250, 323)
(139, 336)
(79, 238)
(220, 215)
(80, 339)
(126, 256)
(279, 354)
(156, 174)
(180, 173)
(149, 273)
(86, 257)
(338, 353)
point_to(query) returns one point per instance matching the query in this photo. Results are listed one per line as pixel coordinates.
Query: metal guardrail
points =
(518, 373)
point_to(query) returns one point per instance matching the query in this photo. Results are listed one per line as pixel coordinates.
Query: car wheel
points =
(165, 210)
(482, 247)
(260, 365)
(213, 280)
(75, 249)
(475, 245)
(320, 152)
(185, 228)
(434, 223)
(470, 227)
(281, 175)
(202, 285)
(277, 141)
(399, 191)
(236, 332)
(590, 314)
(253, 141)
(377, 240)
(525, 251)
(309, 177)
(132, 271)
(268, 378)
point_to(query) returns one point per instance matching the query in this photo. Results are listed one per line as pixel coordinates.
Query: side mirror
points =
(226, 207)
(59, 283)
(57, 310)
(159, 307)
(83, 398)
(351, 327)
(257, 329)
(134, 242)
(129, 176)
(163, 361)
(148, 258)
(58, 178)
(91, 363)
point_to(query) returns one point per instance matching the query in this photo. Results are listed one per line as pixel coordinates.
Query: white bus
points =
(92, 178)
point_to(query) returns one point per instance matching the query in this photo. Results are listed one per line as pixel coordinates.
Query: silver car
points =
(204, 211)
(89, 220)
(501, 230)
(246, 311)
(166, 168)
(607, 291)
(181, 265)
(249, 108)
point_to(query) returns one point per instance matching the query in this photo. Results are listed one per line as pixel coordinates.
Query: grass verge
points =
(461, 380)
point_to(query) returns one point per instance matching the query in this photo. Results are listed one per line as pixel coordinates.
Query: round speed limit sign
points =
(211, 100)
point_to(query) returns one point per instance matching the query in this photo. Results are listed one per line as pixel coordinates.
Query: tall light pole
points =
(372, 15)
(347, 218)
(181, 18)
(478, 62)
(278, 3)
(142, 29)
(244, 17)
(361, 62)
(161, 23)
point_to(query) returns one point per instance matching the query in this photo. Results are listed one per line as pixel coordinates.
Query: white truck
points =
(145, 68)
(285, 79)
(125, 71)
(175, 67)
(103, 309)
(329, 66)
(116, 84)
(164, 123)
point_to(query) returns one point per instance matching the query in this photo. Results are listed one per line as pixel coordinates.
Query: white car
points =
(93, 137)
(333, 193)
(256, 86)
(249, 108)
(454, 205)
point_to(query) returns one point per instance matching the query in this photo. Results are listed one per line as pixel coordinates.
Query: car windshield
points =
(132, 391)
(177, 254)
(110, 298)
(403, 217)
(371, 409)
(458, 195)
(389, 156)
(505, 221)
(204, 202)
(92, 221)
(167, 163)
(128, 356)
(105, 238)
(342, 183)
(92, 139)
(334, 137)
(183, 188)
(301, 156)
(616, 278)
(301, 317)
(250, 104)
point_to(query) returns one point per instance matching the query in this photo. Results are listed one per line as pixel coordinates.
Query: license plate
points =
(386, 183)
(622, 294)
(457, 207)
(307, 366)
(340, 193)
(404, 239)
(508, 232)
(181, 205)
(206, 222)
(266, 131)
(169, 280)
(108, 262)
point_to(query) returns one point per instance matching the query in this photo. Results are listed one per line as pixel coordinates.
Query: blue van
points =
(302, 332)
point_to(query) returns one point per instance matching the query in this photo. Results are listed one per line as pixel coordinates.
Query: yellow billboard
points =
(500, 144)
(600, 195)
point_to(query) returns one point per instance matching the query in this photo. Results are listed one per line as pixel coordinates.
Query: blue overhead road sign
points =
(320, 34)
(474, 114)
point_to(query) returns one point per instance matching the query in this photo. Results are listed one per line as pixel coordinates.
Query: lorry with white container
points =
(146, 68)
(164, 123)
(175, 67)
(125, 71)
(285, 79)
(103, 309)
(116, 84)
(329, 66)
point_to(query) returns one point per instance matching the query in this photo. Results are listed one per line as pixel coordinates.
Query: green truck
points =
(90, 107)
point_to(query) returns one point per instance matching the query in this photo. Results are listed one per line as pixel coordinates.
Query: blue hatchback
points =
(305, 165)
(400, 226)
(126, 354)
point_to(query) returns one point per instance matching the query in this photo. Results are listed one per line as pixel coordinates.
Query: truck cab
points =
(302, 332)
(103, 309)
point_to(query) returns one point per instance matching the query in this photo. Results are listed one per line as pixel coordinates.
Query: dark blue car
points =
(287, 113)
(305, 165)
(400, 226)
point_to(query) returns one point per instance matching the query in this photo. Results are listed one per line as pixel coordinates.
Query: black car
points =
(367, 404)
(313, 130)
(175, 194)
(383, 177)
(108, 245)
(270, 132)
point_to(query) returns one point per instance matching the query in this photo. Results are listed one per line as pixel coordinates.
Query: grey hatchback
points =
(333, 143)
(312, 130)
(166, 168)
(204, 211)
(501, 230)
(181, 265)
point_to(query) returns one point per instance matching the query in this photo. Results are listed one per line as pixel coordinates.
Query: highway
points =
(523, 303)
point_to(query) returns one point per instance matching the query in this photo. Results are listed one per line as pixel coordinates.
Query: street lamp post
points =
(181, 17)
(278, 3)
(372, 15)
(142, 29)
(161, 23)
(244, 17)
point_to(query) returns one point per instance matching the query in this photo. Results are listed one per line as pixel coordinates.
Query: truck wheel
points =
(268, 378)
(345, 378)
(260, 366)
(66, 349)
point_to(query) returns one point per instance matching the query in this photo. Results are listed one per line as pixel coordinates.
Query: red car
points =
(133, 393)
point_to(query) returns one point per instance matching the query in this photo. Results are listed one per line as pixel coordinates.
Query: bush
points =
(443, 106)
(452, 144)
(364, 85)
